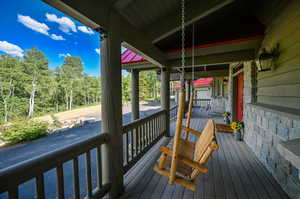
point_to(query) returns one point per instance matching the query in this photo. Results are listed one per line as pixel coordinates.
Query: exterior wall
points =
(272, 100)
(218, 104)
(218, 100)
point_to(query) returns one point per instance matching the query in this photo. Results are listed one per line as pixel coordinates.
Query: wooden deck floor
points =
(234, 173)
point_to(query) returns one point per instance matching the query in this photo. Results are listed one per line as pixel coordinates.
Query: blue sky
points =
(33, 23)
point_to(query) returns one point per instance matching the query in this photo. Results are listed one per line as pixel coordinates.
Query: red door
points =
(240, 97)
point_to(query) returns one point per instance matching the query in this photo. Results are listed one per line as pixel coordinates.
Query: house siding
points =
(271, 99)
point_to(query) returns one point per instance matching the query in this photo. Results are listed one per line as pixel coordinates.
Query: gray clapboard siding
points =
(281, 87)
(290, 90)
(289, 102)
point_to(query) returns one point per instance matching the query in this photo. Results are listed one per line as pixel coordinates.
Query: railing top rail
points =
(202, 99)
(29, 169)
(173, 107)
(129, 126)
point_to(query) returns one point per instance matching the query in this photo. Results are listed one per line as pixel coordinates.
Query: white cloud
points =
(33, 24)
(57, 37)
(64, 54)
(97, 50)
(86, 30)
(65, 24)
(11, 49)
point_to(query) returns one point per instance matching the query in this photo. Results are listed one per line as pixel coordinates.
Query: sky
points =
(32, 23)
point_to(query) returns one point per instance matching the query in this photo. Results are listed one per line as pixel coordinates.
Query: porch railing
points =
(14, 176)
(202, 103)
(140, 135)
(173, 112)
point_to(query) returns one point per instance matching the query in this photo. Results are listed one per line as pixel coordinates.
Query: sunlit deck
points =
(234, 172)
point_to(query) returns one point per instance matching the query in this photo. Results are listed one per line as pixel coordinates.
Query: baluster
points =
(131, 142)
(88, 174)
(156, 127)
(147, 134)
(127, 147)
(60, 181)
(40, 190)
(13, 193)
(99, 168)
(150, 132)
(136, 140)
(76, 186)
(140, 138)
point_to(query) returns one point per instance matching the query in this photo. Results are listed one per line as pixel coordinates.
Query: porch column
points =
(135, 106)
(111, 112)
(165, 96)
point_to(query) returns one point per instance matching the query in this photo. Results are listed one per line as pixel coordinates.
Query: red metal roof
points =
(198, 82)
(129, 57)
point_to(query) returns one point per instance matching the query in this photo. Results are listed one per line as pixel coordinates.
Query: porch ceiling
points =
(152, 28)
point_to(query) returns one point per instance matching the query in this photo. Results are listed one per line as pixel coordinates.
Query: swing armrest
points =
(192, 131)
(184, 160)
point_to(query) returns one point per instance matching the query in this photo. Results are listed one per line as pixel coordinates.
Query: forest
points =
(28, 88)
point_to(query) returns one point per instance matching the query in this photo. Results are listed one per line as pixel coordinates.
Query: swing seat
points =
(191, 157)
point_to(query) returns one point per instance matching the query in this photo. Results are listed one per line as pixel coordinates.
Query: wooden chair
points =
(182, 161)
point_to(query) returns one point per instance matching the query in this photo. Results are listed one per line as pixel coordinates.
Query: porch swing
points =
(181, 160)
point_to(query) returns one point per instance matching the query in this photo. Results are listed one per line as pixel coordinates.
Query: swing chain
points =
(182, 40)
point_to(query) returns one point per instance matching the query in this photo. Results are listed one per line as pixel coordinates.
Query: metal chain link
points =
(182, 39)
(193, 53)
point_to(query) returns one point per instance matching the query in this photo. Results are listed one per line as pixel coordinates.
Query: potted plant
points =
(226, 117)
(237, 126)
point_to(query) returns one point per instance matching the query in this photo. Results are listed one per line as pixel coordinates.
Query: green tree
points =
(36, 69)
(71, 72)
(126, 87)
(10, 76)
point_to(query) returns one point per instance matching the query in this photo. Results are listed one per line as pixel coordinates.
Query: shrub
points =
(21, 131)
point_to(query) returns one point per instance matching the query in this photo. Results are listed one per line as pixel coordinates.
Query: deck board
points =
(234, 172)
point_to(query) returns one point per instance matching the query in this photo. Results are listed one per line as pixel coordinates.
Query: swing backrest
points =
(204, 141)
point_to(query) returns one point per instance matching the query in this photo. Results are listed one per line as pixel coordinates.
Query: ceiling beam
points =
(195, 11)
(215, 59)
(101, 14)
(207, 60)
(200, 74)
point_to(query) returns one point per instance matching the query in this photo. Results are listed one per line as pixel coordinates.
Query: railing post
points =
(111, 111)
(135, 94)
(165, 97)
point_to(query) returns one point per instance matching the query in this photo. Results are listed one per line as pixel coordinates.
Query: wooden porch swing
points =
(181, 160)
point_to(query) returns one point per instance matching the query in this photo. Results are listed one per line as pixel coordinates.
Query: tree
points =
(71, 71)
(10, 76)
(126, 87)
(35, 68)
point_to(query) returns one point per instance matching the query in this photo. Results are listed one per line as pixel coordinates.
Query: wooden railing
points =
(173, 112)
(140, 135)
(12, 177)
(202, 103)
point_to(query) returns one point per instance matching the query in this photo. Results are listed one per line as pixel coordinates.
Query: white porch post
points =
(165, 96)
(135, 106)
(111, 111)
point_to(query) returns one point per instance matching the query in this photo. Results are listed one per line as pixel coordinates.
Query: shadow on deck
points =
(234, 173)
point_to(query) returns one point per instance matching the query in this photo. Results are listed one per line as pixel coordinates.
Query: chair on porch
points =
(182, 161)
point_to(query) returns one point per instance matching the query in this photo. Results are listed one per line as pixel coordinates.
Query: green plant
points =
(21, 131)
(237, 125)
(226, 114)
